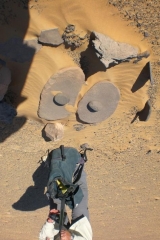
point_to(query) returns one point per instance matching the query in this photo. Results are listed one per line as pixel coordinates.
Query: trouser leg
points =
(82, 208)
(56, 204)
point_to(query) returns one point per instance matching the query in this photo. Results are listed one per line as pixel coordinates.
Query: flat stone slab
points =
(112, 52)
(68, 82)
(50, 37)
(19, 50)
(7, 113)
(5, 79)
(99, 103)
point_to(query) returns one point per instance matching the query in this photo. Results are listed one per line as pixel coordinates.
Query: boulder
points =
(111, 52)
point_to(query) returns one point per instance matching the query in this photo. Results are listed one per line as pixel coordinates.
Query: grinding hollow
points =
(103, 93)
(67, 81)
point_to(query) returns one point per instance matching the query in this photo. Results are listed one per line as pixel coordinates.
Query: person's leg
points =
(56, 204)
(82, 208)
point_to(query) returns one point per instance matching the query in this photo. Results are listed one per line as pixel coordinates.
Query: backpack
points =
(66, 166)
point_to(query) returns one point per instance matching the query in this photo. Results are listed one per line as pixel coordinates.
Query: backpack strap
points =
(62, 152)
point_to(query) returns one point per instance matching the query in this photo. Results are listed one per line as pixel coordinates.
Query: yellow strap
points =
(61, 186)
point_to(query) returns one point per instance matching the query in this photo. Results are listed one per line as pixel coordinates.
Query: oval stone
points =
(61, 99)
(94, 106)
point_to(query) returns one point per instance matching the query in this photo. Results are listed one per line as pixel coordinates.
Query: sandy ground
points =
(123, 170)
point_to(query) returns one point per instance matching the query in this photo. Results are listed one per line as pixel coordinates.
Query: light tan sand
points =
(124, 179)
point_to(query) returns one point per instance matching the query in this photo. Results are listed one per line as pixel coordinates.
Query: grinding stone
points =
(68, 81)
(104, 94)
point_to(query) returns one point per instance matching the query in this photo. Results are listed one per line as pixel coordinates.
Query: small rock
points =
(145, 54)
(79, 127)
(54, 131)
(84, 146)
(69, 28)
(146, 34)
(148, 152)
(50, 37)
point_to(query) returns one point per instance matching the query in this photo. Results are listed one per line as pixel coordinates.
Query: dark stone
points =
(79, 127)
(84, 146)
(70, 28)
(146, 34)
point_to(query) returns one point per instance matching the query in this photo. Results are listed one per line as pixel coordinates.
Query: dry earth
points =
(124, 168)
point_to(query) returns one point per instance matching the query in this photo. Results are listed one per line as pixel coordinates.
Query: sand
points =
(123, 169)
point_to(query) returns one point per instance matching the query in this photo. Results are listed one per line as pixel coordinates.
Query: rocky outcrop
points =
(111, 52)
(50, 37)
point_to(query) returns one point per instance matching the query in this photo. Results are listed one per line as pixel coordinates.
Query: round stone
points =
(94, 106)
(61, 99)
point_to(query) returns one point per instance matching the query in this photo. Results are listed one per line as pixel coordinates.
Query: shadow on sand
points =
(14, 22)
(89, 62)
(34, 197)
(143, 77)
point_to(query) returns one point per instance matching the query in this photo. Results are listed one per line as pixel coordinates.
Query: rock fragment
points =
(72, 39)
(50, 37)
(79, 127)
(54, 131)
(111, 52)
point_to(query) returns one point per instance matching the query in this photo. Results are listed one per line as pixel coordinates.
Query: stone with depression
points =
(60, 90)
